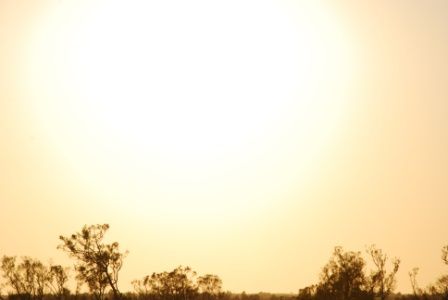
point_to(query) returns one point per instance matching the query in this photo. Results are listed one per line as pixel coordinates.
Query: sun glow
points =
(195, 107)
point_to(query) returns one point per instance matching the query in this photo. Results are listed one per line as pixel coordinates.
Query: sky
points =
(245, 139)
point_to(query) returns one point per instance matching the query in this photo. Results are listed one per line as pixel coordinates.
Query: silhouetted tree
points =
(307, 293)
(57, 280)
(210, 286)
(143, 287)
(439, 290)
(178, 284)
(440, 287)
(381, 284)
(28, 279)
(11, 274)
(416, 290)
(98, 263)
(342, 278)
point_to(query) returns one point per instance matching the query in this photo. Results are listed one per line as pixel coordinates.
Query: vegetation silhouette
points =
(30, 279)
(437, 290)
(380, 283)
(179, 284)
(97, 266)
(344, 278)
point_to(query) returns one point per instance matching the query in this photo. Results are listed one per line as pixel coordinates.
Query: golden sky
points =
(245, 139)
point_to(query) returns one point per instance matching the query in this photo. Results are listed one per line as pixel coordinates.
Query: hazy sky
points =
(245, 139)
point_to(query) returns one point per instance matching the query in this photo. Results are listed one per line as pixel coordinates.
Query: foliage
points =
(180, 284)
(342, 278)
(29, 279)
(307, 293)
(381, 283)
(437, 290)
(58, 278)
(209, 285)
(440, 287)
(97, 263)
(417, 291)
(26, 278)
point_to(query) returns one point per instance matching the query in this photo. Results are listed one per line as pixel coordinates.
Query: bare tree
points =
(381, 283)
(98, 264)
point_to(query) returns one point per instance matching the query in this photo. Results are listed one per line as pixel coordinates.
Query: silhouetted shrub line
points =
(97, 266)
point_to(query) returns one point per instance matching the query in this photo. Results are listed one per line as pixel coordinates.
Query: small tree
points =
(342, 278)
(36, 277)
(142, 287)
(97, 263)
(209, 285)
(417, 291)
(28, 279)
(11, 274)
(441, 285)
(178, 284)
(440, 288)
(57, 280)
(381, 284)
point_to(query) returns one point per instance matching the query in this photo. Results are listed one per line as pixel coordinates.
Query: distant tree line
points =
(97, 266)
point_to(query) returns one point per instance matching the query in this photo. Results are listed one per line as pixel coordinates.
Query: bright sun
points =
(198, 106)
